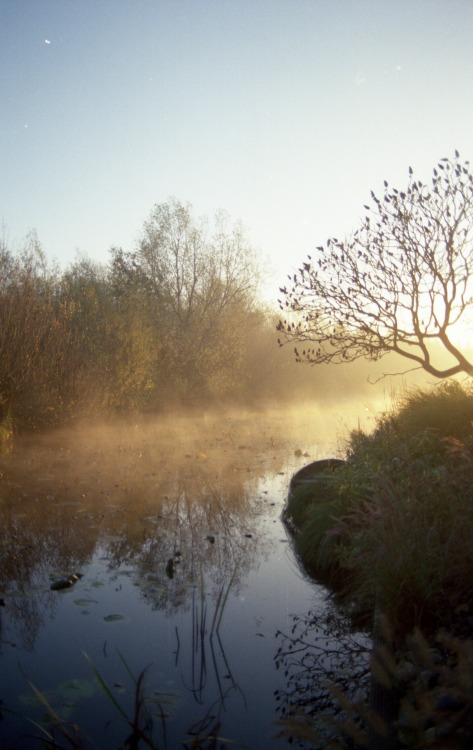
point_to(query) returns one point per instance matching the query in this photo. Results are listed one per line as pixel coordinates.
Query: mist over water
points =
(164, 519)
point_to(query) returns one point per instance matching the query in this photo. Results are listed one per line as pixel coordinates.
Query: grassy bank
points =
(394, 525)
(391, 533)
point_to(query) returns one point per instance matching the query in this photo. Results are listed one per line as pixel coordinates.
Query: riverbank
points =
(391, 533)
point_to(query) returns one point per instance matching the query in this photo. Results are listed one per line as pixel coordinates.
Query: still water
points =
(183, 567)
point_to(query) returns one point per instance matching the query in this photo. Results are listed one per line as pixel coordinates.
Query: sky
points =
(284, 113)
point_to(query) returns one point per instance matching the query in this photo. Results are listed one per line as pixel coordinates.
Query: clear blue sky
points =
(286, 113)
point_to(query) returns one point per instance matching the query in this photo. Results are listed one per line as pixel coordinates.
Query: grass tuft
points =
(395, 526)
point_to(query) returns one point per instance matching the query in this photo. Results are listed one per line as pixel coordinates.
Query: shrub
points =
(396, 530)
(446, 408)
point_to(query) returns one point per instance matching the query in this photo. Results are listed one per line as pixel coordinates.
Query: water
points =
(185, 568)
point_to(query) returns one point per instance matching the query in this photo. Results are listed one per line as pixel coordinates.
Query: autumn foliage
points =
(178, 321)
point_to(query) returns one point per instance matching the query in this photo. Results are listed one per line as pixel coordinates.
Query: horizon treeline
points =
(179, 321)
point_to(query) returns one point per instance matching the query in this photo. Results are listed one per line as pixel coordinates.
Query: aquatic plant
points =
(146, 719)
(58, 732)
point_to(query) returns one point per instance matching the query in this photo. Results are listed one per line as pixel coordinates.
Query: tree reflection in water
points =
(162, 523)
(163, 512)
(327, 668)
(205, 732)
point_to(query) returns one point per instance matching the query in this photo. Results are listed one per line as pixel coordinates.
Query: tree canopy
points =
(399, 283)
(200, 286)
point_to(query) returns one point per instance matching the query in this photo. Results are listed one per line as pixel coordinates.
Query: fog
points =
(175, 328)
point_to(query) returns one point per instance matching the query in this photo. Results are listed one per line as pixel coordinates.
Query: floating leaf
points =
(113, 618)
(168, 701)
(76, 689)
(31, 699)
(63, 713)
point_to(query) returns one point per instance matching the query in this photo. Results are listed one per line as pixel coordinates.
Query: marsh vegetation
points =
(390, 532)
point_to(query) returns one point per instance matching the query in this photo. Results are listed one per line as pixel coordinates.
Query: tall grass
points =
(446, 409)
(396, 528)
(392, 533)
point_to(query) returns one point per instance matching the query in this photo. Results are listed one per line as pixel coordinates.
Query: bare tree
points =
(199, 282)
(398, 284)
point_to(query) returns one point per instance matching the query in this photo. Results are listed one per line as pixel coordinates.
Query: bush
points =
(396, 530)
(446, 408)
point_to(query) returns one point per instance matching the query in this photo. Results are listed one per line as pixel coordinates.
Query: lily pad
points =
(166, 701)
(64, 699)
(96, 584)
(76, 689)
(30, 699)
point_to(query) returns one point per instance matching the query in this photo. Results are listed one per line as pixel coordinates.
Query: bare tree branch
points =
(397, 284)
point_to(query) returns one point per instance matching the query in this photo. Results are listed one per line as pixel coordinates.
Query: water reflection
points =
(168, 515)
(176, 532)
(327, 669)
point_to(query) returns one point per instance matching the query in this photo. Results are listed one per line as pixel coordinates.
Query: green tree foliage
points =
(398, 284)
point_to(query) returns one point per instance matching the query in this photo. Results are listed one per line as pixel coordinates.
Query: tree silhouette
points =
(398, 284)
